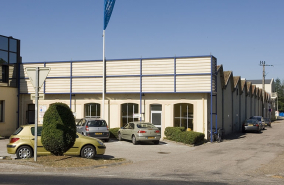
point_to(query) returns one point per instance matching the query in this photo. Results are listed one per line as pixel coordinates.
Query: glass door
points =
(156, 115)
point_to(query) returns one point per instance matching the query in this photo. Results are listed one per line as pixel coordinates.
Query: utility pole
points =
(262, 63)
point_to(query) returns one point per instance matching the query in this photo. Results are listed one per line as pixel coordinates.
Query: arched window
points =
(183, 115)
(127, 112)
(92, 110)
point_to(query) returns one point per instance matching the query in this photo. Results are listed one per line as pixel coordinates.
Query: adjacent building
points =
(9, 78)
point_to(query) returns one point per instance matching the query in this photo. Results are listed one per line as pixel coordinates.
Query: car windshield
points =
(97, 123)
(145, 125)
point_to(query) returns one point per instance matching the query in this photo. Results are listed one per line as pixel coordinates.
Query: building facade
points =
(191, 92)
(9, 78)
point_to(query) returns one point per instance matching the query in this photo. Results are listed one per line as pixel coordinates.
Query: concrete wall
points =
(113, 104)
(228, 108)
(9, 96)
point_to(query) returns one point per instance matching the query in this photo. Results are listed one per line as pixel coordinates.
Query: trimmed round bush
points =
(59, 129)
(113, 132)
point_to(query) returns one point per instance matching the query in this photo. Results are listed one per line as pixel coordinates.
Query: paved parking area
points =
(250, 158)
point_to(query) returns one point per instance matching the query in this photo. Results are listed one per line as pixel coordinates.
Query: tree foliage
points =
(59, 129)
(279, 88)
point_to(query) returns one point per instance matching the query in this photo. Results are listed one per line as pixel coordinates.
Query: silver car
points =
(93, 127)
(252, 125)
(139, 131)
(260, 120)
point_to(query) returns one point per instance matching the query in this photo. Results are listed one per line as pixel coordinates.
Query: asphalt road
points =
(251, 158)
(61, 180)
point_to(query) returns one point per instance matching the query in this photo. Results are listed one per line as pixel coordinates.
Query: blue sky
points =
(239, 33)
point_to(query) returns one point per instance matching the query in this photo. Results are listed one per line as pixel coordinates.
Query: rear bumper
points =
(252, 128)
(99, 135)
(148, 138)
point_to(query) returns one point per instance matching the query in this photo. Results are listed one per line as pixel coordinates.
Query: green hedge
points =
(59, 129)
(180, 135)
(113, 132)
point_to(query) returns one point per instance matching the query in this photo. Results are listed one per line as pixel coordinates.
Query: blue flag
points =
(109, 4)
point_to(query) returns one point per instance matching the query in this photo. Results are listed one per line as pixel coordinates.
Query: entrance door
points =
(156, 115)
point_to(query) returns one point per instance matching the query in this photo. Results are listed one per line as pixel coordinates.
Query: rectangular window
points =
(1, 110)
(4, 74)
(3, 43)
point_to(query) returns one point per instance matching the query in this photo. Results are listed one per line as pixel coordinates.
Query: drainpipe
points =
(141, 90)
(223, 125)
(18, 84)
(211, 103)
(71, 85)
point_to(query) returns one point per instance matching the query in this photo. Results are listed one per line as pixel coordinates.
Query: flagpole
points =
(103, 98)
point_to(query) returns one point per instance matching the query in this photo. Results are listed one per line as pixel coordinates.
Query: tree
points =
(279, 88)
(59, 129)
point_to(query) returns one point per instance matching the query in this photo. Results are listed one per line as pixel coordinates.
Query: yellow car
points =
(21, 143)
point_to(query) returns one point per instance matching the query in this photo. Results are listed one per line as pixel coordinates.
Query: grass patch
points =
(69, 161)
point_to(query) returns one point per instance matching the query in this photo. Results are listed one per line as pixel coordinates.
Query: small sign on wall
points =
(42, 109)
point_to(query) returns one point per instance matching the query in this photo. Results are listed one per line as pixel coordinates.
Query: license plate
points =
(98, 133)
(250, 124)
(151, 137)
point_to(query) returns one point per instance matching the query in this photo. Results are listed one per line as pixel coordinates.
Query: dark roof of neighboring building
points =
(243, 84)
(268, 81)
(236, 80)
(227, 75)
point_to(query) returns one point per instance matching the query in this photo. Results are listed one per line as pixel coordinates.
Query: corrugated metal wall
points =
(187, 74)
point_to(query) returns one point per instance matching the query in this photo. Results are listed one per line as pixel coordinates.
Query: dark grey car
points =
(93, 127)
(252, 125)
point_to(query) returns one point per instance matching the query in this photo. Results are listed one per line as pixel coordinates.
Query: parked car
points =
(252, 125)
(93, 127)
(261, 121)
(267, 122)
(139, 131)
(21, 143)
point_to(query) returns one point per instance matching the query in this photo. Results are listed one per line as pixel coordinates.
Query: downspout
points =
(246, 105)
(141, 90)
(71, 85)
(211, 104)
(216, 94)
(240, 109)
(223, 125)
(232, 95)
(18, 82)
(19, 61)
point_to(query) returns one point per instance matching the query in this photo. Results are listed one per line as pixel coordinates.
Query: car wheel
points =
(24, 152)
(156, 142)
(106, 140)
(88, 152)
(134, 140)
(119, 137)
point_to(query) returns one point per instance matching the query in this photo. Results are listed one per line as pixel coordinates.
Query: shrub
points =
(180, 135)
(59, 129)
(171, 132)
(113, 132)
